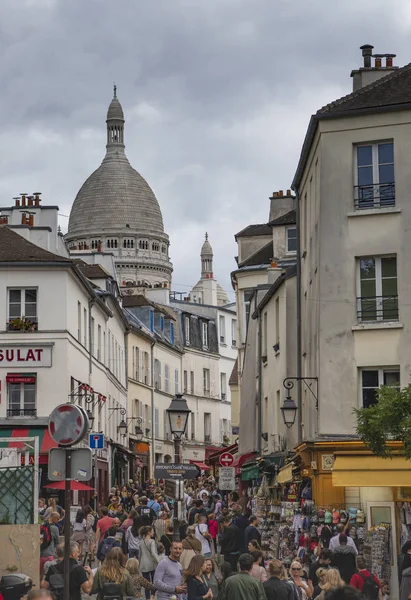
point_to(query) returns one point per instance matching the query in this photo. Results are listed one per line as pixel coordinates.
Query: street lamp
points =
(289, 411)
(289, 407)
(178, 413)
(90, 417)
(123, 427)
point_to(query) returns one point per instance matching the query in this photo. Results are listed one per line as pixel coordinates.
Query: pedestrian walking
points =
(133, 539)
(148, 555)
(276, 588)
(197, 587)
(133, 567)
(191, 546)
(230, 542)
(242, 586)
(333, 581)
(112, 578)
(365, 581)
(168, 575)
(210, 576)
(203, 535)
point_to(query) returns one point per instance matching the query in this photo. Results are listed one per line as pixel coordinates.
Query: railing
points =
(377, 308)
(377, 195)
(21, 412)
(19, 324)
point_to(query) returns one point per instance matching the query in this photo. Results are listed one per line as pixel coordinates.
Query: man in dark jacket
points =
(230, 542)
(198, 509)
(147, 514)
(242, 586)
(344, 559)
(241, 522)
(251, 532)
(324, 561)
(276, 588)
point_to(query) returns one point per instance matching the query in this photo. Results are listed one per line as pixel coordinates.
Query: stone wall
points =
(20, 550)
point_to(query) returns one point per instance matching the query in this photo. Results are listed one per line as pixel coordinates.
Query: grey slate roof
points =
(15, 248)
(258, 229)
(286, 219)
(392, 90)
(261, 257)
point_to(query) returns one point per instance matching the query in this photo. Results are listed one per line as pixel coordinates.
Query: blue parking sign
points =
(96, 441)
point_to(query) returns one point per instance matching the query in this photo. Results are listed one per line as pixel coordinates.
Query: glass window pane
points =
(365, 176)
(14, 311)
(386, 153)
(30, 310)
(369, 397)
(14, 395)
(364, 155)
(29, 396)
(15, 295)
(389, 287)
(389, 266)
(392, 378)
(368, 288)
(367, 267)
(390, 308)
(386, 173)
(370, 378)
(31, 295)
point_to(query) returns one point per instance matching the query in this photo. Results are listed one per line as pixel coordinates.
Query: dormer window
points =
(291, 233)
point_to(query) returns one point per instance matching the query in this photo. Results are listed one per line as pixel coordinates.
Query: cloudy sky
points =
(217, 96)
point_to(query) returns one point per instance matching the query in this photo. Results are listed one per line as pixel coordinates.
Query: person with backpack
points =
(112, 580)
(365, 581)
(111, 540)
(148, 555)
(147, 514)
(81, 578)
(49, 539)
(203, 535)
(103, 524)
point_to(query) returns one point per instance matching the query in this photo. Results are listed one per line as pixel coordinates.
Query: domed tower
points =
(116, 211)
(208, 290)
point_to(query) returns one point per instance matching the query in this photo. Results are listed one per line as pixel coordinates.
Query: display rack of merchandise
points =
(378, 552)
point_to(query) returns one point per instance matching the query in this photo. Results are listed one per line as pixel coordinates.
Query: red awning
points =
(45, 440)
(233, 449)
(202, 466)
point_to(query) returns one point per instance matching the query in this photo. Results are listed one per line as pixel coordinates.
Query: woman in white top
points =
(148, 555)
(79, 529)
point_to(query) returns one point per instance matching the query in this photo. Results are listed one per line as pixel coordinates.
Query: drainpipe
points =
(299, 330)
(260, 371)
(153, 458)
(91, 302)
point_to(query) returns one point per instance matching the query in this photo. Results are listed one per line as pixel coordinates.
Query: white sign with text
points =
(226, 479)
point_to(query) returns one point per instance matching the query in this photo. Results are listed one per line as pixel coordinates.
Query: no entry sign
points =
(226, 459)
(68, 424)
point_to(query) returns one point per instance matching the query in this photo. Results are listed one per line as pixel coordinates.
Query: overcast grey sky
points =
(217, 96)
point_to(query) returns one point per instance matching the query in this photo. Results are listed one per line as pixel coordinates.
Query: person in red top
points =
(213, 529)
(104, 523)
(358, 579)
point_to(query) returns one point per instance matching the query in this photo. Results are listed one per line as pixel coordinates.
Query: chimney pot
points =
(30, 201)
(367, 53)
(37, 198)
(23, 199)
(378, 62)
(288, 192)
(281, 193)
(23, 218)
(16, 201)
(388, 61)
(31, 220)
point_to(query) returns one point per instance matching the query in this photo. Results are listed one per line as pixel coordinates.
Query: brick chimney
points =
(375, 67)
(281, 203)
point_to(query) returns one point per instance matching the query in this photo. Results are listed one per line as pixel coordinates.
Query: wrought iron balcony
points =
(377, 195)
(377, 308)
(21, 412)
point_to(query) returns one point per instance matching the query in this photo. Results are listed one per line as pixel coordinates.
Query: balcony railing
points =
(21, 412)
(377, 308)
(377, 195)
(22, 324)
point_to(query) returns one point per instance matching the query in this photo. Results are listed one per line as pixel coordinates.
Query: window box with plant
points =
(22, 324)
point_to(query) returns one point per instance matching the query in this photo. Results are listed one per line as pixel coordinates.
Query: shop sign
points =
(18, 356)
(175, 471)
(226, 478)
(23, 378)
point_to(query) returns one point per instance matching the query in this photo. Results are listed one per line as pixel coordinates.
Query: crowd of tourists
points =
(127, 547)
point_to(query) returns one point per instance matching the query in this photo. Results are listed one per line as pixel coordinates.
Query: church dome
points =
(115, 198)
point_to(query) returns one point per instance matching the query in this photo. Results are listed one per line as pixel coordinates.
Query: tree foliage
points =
(389, 419)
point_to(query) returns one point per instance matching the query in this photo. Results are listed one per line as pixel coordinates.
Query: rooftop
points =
(15, 248)
(286, 219)
(252, 230)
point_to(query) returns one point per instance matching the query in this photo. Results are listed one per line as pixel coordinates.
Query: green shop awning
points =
(250, 472)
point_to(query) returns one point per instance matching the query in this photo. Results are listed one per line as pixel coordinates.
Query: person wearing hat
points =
(335, 541)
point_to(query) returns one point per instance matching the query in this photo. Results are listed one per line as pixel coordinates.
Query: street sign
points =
(173, 471)
(68, 424)
(96, 441)
(226, 479)
(174, 488)
(80, 464)
(226, 459)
